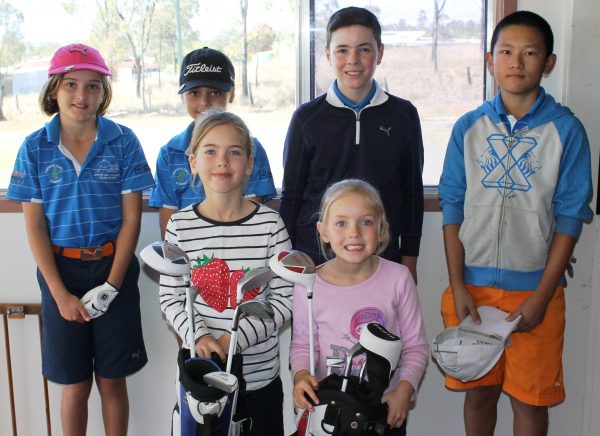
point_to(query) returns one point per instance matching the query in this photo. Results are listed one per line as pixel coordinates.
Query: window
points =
(285, 62)
(443, 75)
(148, 103)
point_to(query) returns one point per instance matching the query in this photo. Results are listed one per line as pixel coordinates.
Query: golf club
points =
(298, 268)
(253, 279)
(334, 363)
(224, 381)
(167, 258)
(354, 351)
(258, 308)
(361, 374)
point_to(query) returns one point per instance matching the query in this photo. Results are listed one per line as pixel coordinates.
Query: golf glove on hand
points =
(97, 300)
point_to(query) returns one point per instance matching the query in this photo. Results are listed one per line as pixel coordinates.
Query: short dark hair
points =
(351, 16)
(526, 18)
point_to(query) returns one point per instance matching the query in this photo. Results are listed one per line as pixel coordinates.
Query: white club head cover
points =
(97, 300)
(199, 409)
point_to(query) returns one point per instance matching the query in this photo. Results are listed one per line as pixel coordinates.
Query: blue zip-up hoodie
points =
(511, 189)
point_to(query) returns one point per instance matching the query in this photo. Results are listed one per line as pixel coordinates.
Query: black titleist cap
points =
(206, 67)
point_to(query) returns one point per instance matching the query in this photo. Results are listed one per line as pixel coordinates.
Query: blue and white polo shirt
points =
(82, 209)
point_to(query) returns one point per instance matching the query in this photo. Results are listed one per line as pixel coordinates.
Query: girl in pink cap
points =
(80, 180)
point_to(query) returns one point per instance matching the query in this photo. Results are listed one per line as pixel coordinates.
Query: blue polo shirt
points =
(82, 210)
(174, 188)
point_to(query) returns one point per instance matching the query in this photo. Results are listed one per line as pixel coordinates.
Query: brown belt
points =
(86, 253)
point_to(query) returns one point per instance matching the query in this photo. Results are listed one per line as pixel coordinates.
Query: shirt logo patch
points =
(385, 129)
(141, 169)
(509, 163)
(17, 177)
(107, 171)
(54, 173)
(265, 175)
(181, 176)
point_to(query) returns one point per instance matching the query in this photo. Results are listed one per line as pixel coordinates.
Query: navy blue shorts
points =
(112, 345)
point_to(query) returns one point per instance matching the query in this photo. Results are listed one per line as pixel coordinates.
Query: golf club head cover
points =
(383, 353)
(97, 300)
(205, 403)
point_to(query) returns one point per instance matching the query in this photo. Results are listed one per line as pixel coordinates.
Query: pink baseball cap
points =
(77, 57)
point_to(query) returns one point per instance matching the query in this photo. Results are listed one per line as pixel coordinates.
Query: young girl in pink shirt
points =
(355, 287)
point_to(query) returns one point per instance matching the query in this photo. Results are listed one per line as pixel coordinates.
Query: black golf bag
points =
(350, 404)
(346, 413)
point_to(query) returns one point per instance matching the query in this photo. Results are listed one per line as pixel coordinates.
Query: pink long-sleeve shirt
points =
(388, 297)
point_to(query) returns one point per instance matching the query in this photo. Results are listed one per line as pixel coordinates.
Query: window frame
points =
(305, 48)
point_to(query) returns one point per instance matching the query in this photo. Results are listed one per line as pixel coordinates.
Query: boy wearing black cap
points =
(206, 79)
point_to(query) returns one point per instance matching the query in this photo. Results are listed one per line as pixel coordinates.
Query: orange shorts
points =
(530, 369)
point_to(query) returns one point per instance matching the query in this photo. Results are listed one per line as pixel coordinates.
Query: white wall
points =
(576, 25)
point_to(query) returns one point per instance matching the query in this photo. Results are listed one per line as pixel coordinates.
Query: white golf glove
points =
(97, 300)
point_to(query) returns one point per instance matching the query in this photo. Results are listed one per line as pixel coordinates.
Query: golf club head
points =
(352, 352)
(258, 308)
(166, 258)
(253, 279)
(334, 363)
(294, 266)
(221, 380)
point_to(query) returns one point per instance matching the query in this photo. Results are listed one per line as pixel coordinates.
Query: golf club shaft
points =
(344, 384)
(189, 306)
(311, 344)
(232, 347)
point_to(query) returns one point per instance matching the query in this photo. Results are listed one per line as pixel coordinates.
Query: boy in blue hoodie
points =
(515, 192)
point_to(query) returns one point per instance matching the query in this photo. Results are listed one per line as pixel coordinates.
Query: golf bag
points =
(202, 409)
(349, 404)
(344, 413)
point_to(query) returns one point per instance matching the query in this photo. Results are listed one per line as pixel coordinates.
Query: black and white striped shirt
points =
(248, 243)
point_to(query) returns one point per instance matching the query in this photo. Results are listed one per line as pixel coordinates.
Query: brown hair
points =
(361, 187)
(352, 16)
(47, 99)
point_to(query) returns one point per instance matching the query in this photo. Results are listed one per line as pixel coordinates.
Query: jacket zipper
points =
(511, 142)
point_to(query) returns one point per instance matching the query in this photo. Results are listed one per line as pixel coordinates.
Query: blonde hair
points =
(47, 99)
(214, 117)
(360, 187)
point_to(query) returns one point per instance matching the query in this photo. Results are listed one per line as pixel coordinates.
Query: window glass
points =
(442, 86)
(440, 69)
(30, 31)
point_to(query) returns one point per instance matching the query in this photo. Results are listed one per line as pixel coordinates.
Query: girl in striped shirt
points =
(226, 235)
